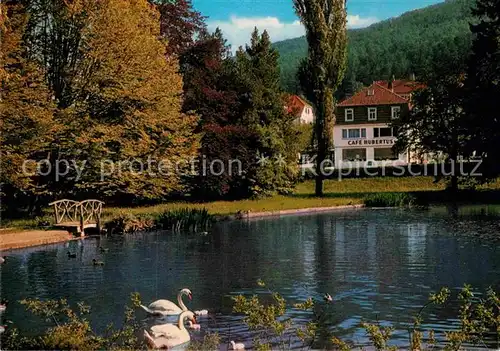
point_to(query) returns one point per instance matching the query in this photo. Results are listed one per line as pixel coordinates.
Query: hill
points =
(414, 42)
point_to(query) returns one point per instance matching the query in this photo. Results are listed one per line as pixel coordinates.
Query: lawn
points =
(337, 193)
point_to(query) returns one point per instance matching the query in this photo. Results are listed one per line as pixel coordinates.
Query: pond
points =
(378, 265)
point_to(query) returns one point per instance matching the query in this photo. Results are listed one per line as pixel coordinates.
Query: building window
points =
(349, 114)
(354, 155)
(382, 154)
(383, 132)
(395, 112)
(355, 133)
(372, 113)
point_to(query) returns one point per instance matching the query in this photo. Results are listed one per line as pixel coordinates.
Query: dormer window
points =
(372, 113)
(395, 112)
(349, 114)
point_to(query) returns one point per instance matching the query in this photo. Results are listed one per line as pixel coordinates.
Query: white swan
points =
(3, 259)
(170, 335)
(166, 307)
(237, 346)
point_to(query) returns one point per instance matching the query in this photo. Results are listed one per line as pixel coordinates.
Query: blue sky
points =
(237, 18)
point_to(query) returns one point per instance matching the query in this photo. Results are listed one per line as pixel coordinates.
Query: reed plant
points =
(186, 219)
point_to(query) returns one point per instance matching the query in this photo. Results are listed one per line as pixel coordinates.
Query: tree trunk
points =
(324, 128)
(454, 183)
(454, 158)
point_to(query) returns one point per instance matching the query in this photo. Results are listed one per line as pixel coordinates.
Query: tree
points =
(179, 24)
(129, 107)
(213, 90)
(120, 133)
(264, 113)
(27, 124)
(437, 123)
(483, 85)
(396, 46)
(209, 81)
(242, 116)
(325, 23)
(54, 38)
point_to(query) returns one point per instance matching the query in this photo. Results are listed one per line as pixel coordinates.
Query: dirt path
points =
(15, 238)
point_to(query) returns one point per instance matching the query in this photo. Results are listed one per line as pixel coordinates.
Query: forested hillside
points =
(415, 42)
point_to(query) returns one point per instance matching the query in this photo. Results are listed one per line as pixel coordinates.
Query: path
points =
(15, 239)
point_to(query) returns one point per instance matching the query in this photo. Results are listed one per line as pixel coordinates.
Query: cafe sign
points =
(370, 142)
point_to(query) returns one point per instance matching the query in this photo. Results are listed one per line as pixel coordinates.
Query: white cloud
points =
(359, 22)
(237, 30)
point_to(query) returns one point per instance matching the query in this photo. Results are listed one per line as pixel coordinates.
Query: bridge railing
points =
(77, 213)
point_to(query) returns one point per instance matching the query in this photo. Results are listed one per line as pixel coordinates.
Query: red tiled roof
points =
(401, 86)
(295, 103)
(380, 96)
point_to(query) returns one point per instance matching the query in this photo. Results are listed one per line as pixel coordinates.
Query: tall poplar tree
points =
(325, 22)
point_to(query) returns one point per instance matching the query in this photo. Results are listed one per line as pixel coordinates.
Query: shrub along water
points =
(184, 219)
(391, 200)
(478, 324)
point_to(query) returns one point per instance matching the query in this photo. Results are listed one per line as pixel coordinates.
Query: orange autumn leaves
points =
(125, 104)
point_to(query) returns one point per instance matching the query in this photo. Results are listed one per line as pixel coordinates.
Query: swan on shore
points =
(170, 335)
(237, 346)
(166, 307)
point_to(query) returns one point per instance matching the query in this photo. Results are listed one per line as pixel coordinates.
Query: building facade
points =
(362, 134)
(301, 109)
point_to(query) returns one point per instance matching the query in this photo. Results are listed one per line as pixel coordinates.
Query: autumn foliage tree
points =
(242, 118)
(131, 104)
(26, 107)
(118, 100)
(179, 24)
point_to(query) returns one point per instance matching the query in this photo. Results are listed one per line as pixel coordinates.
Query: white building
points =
(299, 107)
(362, 135)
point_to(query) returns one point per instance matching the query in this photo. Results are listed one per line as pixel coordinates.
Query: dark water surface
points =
(377, 264)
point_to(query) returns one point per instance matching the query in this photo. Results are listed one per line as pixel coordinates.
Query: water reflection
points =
(378, 265)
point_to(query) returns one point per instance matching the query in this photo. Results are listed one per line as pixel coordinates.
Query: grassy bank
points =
(337, 193)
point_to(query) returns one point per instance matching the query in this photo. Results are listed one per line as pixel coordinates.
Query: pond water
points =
(379, 265)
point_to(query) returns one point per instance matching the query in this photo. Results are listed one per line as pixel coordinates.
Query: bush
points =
(126, 223)
(391, 200)
(227, 144)
(71, 330)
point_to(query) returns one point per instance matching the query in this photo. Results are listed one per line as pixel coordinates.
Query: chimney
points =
(370, 92)
(391, 83)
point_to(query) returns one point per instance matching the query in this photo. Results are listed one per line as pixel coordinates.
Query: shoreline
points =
(12, 239)
(298, 211)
